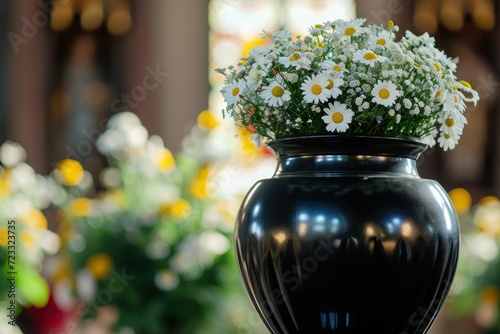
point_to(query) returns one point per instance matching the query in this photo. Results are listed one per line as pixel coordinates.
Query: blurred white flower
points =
(124, 134)
(166, 280)
(11, 154)
(86, 286)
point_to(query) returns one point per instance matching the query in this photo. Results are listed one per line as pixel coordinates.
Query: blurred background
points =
(121, 179)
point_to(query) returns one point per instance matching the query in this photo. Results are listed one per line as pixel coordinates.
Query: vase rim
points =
(349, 144)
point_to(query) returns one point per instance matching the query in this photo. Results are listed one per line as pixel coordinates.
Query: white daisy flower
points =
(259, 52)
(338, 117)
(466, 87)
(349, 28)
(385, 93)
(334, 68)
(368, 57)
(314, 89)
(334, 82)
(383, 39)
(281, 35)
(233, 91)
(291, 60)
(430, 139)
(452, 122)
(453, 102)
(255, 76)
(448, 141)
(275, 94)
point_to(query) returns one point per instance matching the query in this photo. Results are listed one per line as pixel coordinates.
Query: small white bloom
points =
(338, 117)
(12, 154)
(385, 93)
(314, 89)
(233, 91)
(275, 94)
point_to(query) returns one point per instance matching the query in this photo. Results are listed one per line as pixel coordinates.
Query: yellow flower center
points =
(439, 94)
(316, 89)
(449, 122)
(390, 24)
(235, 91)
(437, 67)
(384, 93)
(337, 117)
(331, 84)
(337, 68)
(416, 64)
(455, 87)
(466, 84)
(447, 136)
(350, 31)
(294, 58)
(370, 56)
(318, 25)
(455, 98)
(381, 41)
(277, 91)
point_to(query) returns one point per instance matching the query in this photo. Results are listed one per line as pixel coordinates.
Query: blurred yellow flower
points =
(461, 199)
(27, 239)
(81, 207)
(3, 236)
(65, 230)
(179, 209)
(488, 199)
(100, 265)
(165, 160)
(35, 219)
(4, 188)
(490, 294)
(118, 197)
(487, 218)
(69, 172)
(207, 120)
(198, 187)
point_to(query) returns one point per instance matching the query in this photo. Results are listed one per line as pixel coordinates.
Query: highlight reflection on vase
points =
(347, 243)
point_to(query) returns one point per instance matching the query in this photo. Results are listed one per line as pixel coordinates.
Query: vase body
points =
(346, 237)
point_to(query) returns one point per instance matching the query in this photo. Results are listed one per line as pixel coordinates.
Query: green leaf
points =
(32, 286)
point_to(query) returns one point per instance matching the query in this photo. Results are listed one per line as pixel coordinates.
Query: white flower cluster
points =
(347, 77)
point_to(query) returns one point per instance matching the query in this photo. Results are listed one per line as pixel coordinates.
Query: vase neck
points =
(333, 165)
(331, 155)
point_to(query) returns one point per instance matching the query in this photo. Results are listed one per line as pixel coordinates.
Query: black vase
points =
(347, 238)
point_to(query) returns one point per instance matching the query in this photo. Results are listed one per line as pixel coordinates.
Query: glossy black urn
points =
(346, 237)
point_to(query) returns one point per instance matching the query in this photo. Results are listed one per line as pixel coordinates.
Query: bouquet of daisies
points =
(344, 77)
